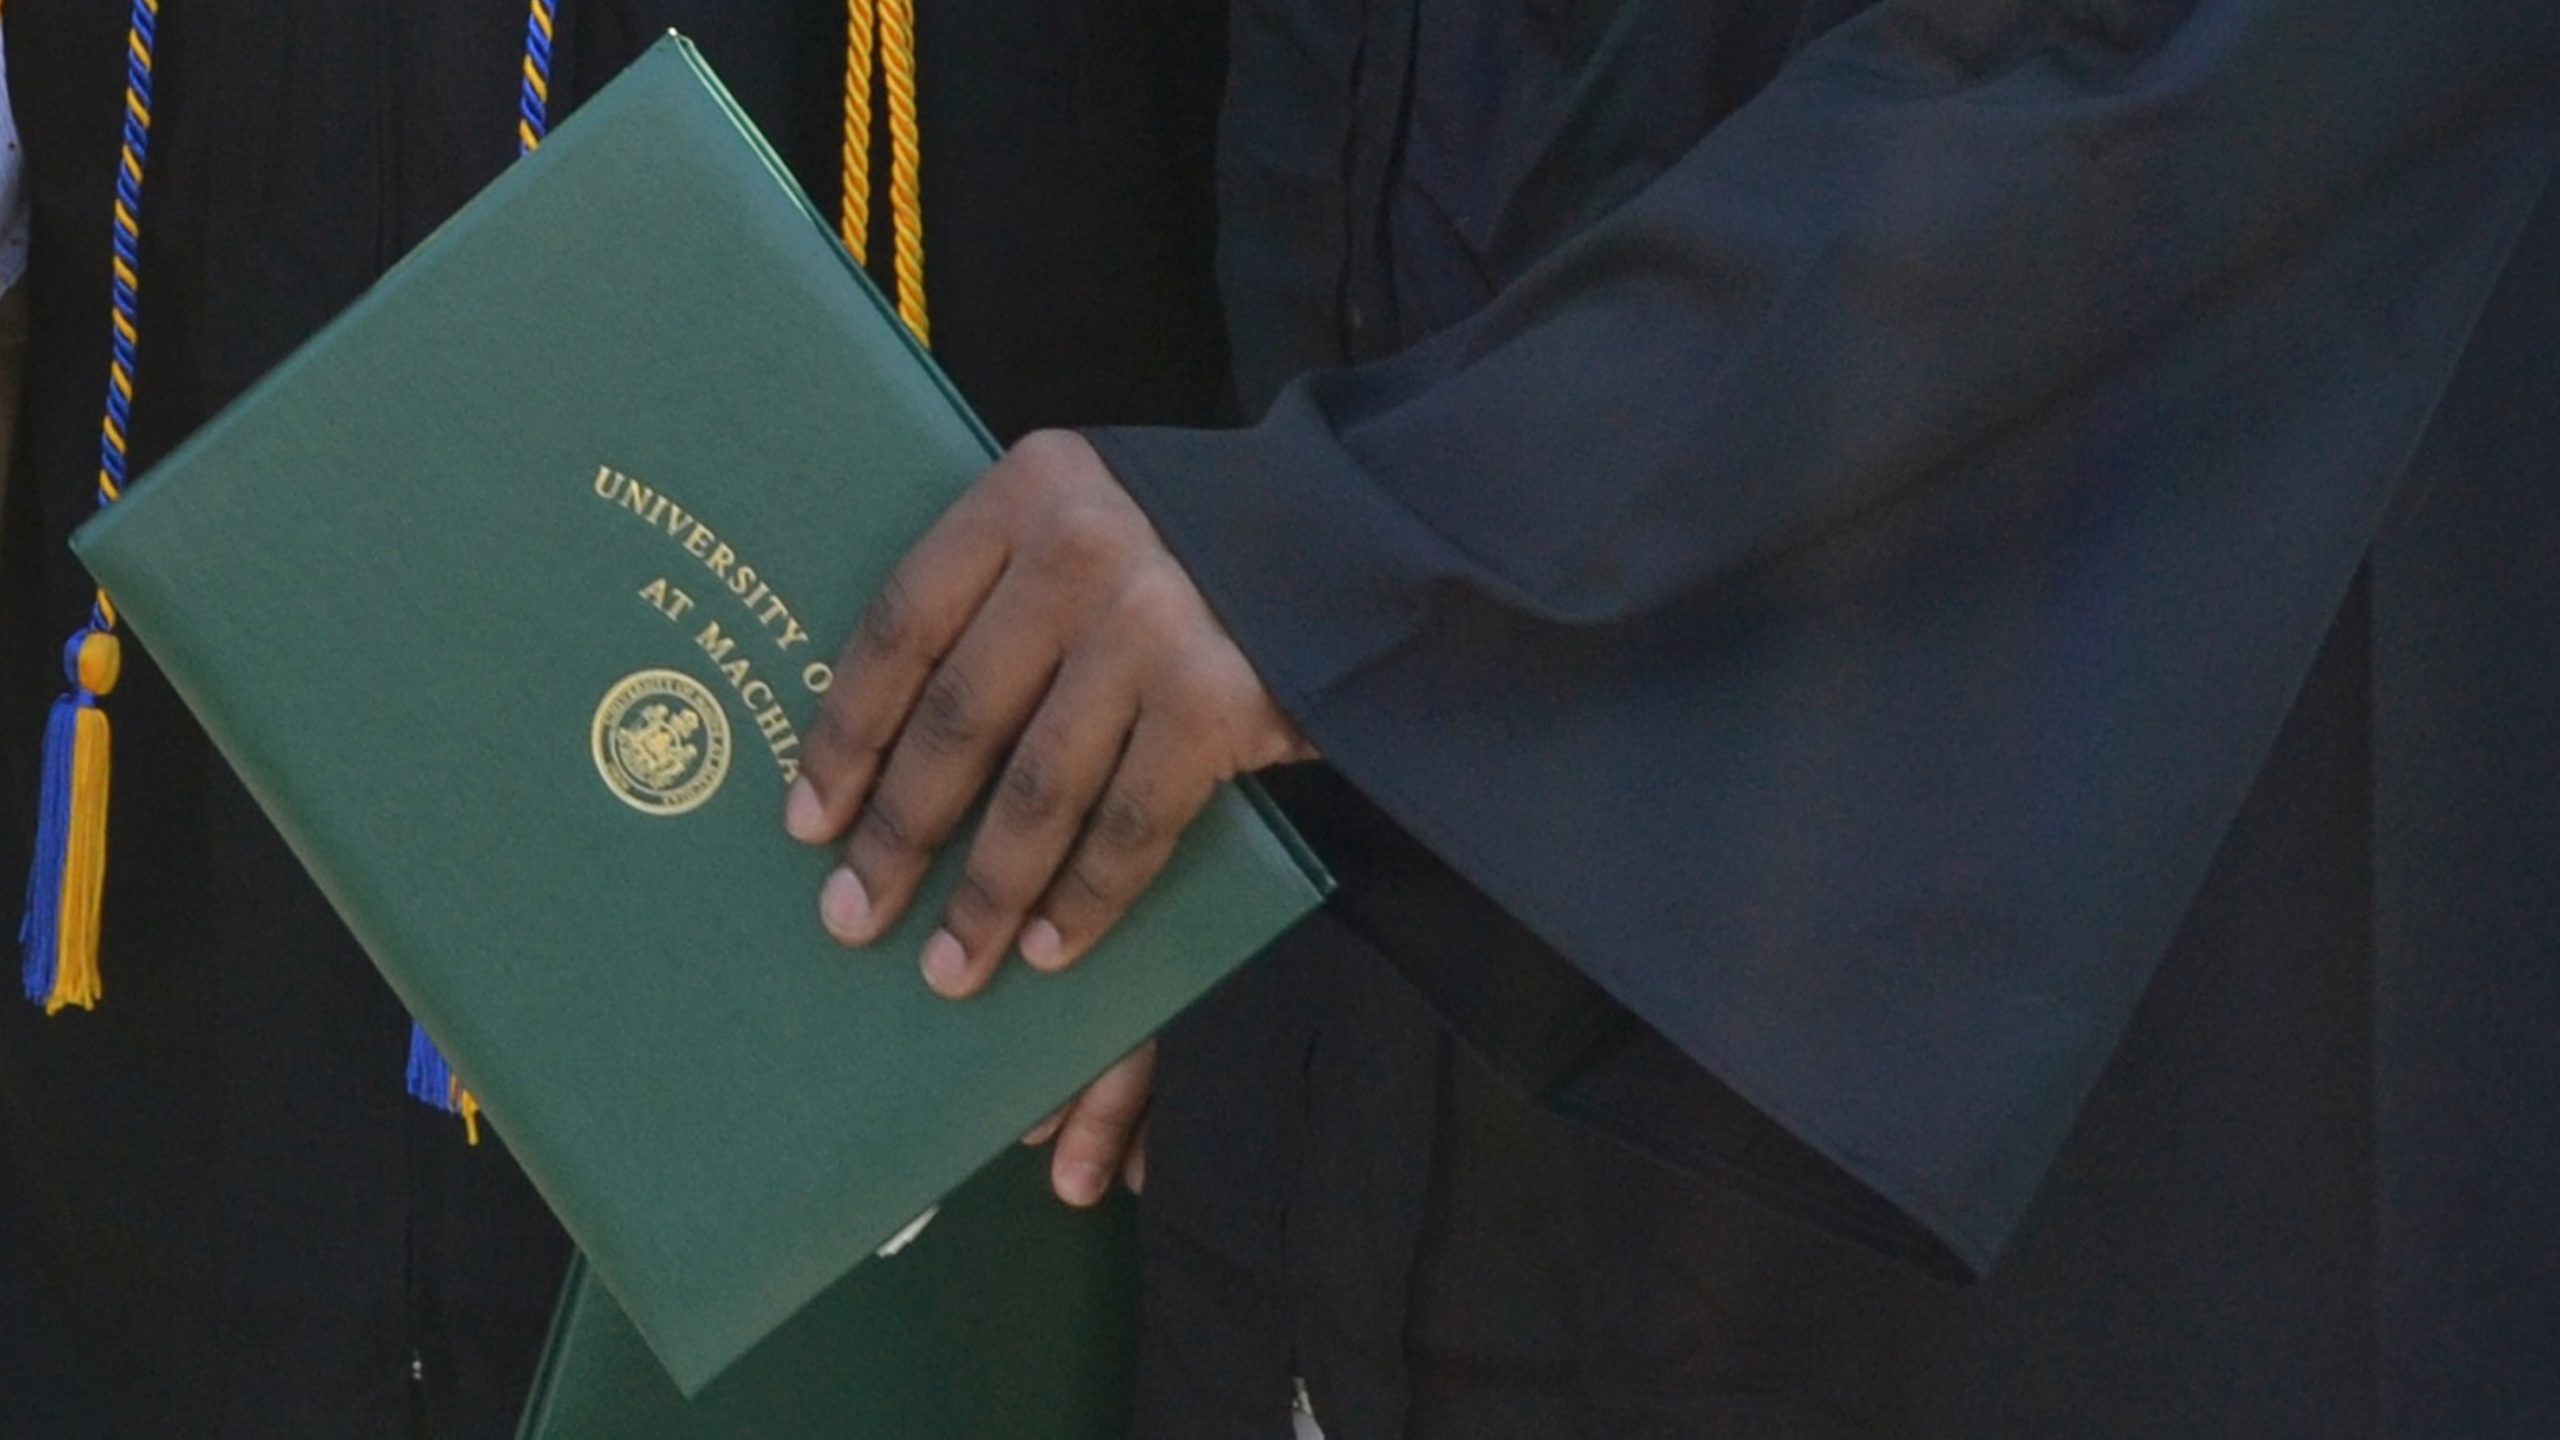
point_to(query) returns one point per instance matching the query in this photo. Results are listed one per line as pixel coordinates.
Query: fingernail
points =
(804, 814)
(1080, 1182)
(945, 962)
(846, 907)
(1042, 946)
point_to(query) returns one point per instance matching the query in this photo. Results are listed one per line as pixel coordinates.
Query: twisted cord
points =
(853, 219)
(906, 161)
(533, 99)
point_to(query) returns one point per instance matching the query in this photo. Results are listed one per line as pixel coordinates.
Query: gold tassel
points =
(84, 867)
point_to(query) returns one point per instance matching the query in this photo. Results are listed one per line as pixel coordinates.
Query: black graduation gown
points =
(1843, 560)
(219, 1213)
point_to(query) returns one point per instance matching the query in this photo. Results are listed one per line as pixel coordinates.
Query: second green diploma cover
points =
(511, 598)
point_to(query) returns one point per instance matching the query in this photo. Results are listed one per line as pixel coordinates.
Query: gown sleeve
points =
(1839, 601)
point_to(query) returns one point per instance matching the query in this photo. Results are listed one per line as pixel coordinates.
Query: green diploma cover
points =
(511, 598)
(1010, 1317)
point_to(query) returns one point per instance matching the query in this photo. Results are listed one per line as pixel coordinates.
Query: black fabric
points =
(1455, 1259)
(1813, 519)
(2467, 917)
(222, 1216)
(1905, 722)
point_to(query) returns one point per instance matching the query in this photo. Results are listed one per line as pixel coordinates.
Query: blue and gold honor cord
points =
(66, 889)
(67, 886)
(533, 102)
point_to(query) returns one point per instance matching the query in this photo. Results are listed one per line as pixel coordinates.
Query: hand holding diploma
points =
(1043, 628)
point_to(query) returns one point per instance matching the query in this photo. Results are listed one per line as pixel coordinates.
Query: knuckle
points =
(884, 828)
(1081, 543)
(947, 713)
(1089, 885)
(1154, 603)
(887, 625)
(1142, 599)
(832, 736)
(1045, 451)
(981, 897)
(1027, 797)
(1126, 823)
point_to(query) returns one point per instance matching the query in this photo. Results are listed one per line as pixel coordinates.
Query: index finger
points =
(916, 615)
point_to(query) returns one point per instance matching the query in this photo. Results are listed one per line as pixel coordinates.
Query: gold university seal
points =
(661, 742)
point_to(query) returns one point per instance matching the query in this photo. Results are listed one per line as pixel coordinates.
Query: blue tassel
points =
(40, 933)
(430, 1077)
